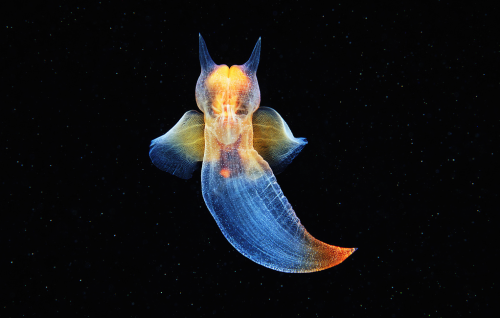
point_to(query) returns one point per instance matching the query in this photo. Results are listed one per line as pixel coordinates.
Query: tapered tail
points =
(257, 219)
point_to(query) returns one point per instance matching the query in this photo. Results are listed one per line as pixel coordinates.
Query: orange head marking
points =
(229, 85)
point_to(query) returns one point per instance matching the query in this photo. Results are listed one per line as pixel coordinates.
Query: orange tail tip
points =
(323, 256)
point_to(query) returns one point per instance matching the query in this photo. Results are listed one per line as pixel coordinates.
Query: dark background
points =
(400, 160)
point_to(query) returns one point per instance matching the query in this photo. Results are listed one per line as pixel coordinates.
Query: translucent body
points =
(238, 184)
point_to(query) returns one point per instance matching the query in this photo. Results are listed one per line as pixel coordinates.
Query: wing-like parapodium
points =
(273, 139)
(180, 150)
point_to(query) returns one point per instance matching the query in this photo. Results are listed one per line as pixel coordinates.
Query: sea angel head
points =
(228, 94)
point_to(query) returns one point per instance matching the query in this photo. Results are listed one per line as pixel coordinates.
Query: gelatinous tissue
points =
(242, 146)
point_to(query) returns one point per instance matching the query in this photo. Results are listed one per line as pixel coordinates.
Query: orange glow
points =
(225, 173)
(228, 84)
